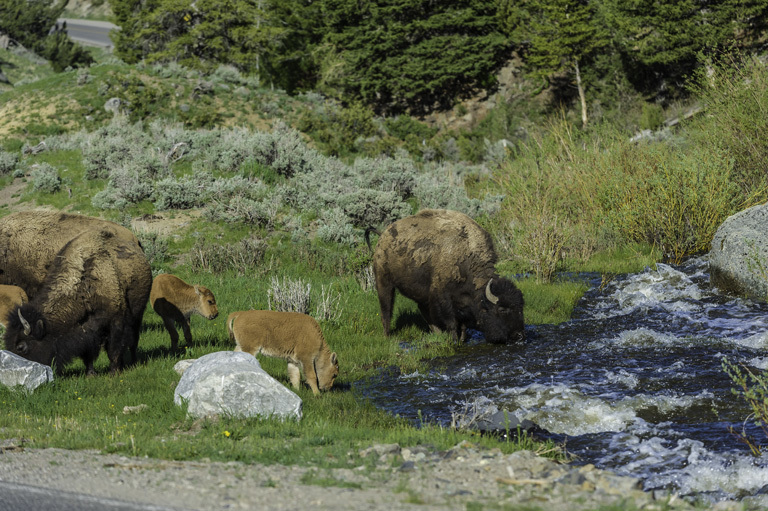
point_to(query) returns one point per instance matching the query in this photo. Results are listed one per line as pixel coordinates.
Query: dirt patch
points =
(165, 224)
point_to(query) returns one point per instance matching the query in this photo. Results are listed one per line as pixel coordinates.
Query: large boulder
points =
(233, 383)
(16, 370)
(738, 257)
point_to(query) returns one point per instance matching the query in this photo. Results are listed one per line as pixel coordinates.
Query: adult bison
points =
(30, 240)
(444, 261)
(94, 294)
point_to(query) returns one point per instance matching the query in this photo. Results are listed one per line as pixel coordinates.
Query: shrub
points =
(335, 228)
(328, 306)
(155, 248)
(8, 162)
(45, 178)
(367, 207)
(243, 257)
(289, 295)
(184, 193)
(671, 199)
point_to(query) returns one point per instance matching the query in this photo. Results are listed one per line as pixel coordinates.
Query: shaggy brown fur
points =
(444, 261)
(291, 336)
(175, 301)
(94, 294)
(30, 240)
(10, 298)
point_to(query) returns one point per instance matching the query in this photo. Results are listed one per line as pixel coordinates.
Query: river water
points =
(633, 383)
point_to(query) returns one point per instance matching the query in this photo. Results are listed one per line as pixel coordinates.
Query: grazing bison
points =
(444, 261)
(94, 295)
(292, 336)
(175, 301)
(30, 240)
(10, 298)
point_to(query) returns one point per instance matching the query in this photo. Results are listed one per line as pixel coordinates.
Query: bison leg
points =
(119, 333)
(442, 319)
(294, 374)
(311, 376)
(187, 332)
(386, 294)
(170, 325)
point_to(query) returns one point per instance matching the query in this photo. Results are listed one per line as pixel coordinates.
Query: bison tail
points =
(368, 232)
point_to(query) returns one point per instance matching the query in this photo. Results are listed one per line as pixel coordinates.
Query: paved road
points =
(91, 33)
(21, 497)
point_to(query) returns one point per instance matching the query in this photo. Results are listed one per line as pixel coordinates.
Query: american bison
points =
(444, 261)
(175, 301)
(30, 240)
(10, 298)
(94, 295)
(292, 336)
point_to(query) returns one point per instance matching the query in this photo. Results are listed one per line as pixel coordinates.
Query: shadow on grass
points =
(406, 319)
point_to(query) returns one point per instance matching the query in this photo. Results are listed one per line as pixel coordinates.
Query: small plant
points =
(328, 308)
(289, 295)
(752, 388)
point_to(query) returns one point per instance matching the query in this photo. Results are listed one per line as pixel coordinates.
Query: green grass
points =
(79, 412)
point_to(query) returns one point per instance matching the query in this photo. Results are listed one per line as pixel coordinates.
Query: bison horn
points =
(489, 295)
(25, 324)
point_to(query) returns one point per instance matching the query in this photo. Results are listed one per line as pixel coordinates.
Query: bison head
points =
(327, 370)
(206, 303)
(500, 317)
(25, 335)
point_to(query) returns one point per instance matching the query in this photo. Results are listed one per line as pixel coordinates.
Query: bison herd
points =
(71, 285)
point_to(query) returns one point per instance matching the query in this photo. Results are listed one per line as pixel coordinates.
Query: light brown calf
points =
(291, 336)
(10, 297)
(175, 301)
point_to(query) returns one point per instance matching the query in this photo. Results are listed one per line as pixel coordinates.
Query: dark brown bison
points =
(94, 295)
(30, 240)
(444, 261)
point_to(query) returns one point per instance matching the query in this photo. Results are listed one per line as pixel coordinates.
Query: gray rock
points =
(738, 257)
(183, 365)
(16, 370)
(233, 383)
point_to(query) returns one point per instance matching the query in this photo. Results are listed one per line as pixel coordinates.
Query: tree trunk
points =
(582, 98)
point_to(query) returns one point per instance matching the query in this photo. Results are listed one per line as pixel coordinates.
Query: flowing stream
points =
(634, 383)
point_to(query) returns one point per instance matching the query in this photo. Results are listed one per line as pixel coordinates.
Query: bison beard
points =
(444, 261)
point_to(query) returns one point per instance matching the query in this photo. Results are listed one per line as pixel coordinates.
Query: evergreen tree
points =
(410, 55)
(556, 36)
(663, 40)
(29, 21)
(32, 23)
(63, 52)
(196, 33)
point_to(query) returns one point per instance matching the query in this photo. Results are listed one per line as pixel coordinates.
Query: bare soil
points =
(460, 478)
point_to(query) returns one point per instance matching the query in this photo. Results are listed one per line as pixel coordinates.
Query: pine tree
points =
(557, 36)
(410, 55)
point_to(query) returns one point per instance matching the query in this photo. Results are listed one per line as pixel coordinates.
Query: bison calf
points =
(175, 301)
(291, 336)
(10, 298)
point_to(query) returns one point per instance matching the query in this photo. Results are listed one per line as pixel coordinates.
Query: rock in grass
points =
(234, 384)
(738, 257)
(16, 370)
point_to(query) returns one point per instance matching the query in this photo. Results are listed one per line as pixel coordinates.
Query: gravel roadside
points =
(402, 479)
